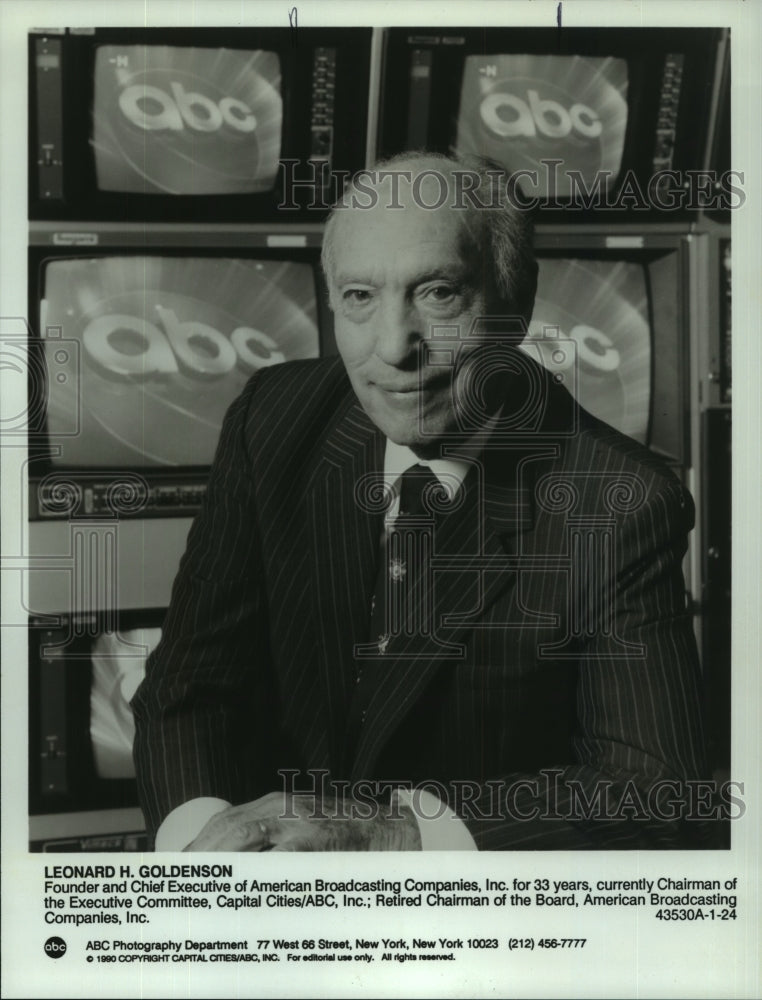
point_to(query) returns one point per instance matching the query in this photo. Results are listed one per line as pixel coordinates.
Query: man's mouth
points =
(400, 390)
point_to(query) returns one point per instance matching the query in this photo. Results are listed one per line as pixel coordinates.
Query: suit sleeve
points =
(211, 664)
(639, 741)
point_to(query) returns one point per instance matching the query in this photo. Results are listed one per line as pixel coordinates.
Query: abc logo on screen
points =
(55, 947)
(154, 109)
(508, 115)
(182, 120)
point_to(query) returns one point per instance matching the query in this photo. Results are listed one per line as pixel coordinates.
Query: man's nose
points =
(399, 332)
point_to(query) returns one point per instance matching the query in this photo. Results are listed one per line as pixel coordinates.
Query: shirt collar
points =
(449, 471)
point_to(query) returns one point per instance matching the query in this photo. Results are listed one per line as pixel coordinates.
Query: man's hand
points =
(282, 822)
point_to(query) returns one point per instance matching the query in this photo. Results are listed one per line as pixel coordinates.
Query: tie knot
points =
(420, 492)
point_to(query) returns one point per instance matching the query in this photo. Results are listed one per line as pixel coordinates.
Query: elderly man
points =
(429, 601)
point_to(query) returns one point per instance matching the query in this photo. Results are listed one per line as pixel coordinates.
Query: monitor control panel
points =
(323, 107)
(62, 495)
(669, 102)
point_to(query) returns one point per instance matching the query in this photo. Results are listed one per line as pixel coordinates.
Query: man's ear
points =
(329, 293)
(531, 292)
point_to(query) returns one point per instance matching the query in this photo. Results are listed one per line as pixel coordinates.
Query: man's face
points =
(397, 274)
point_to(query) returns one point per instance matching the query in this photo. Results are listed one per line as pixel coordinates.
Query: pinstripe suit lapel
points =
(345, 536)
(479, 547)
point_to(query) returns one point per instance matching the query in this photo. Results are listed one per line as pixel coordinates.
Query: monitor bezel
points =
(647, 249)
(644, 51)
(39, 439)
(86, 790)
(82, 200)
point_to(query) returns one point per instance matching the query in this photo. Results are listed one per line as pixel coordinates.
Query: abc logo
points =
(594, 349)
(132, 346)
(55, 947)
(154, 110)
(508, 116)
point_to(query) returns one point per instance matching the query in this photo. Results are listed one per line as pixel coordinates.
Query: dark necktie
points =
(401, 596)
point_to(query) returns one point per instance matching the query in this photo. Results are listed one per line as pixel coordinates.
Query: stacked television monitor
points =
(630, 315)
(146, 349)
(178, 181)
(194, 125)
(599, 124)
(176, 231)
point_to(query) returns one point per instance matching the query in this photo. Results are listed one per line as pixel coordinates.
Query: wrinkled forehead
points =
(397, 214)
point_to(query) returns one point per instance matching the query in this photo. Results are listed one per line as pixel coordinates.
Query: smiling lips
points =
(407, 391)
(415, 387)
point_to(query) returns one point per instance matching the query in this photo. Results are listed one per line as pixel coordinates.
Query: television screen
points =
(118, 667)
(186, 121)
(524, 110)
(83, 674)
(603, 306)
(165, 344)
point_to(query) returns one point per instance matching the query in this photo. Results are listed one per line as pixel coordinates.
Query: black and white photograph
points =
(380, 445)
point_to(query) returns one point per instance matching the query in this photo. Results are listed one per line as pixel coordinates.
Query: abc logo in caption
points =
(55, 947)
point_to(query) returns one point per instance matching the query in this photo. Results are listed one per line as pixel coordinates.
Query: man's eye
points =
(441, 293)
(356, 296)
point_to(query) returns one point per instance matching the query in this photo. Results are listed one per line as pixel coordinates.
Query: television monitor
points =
(83, 672)
(145, 351)
(153, 124)
(610, 326)
(589, 117)
(625, 311)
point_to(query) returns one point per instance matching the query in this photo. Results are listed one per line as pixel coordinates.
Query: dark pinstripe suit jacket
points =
(558, 583)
